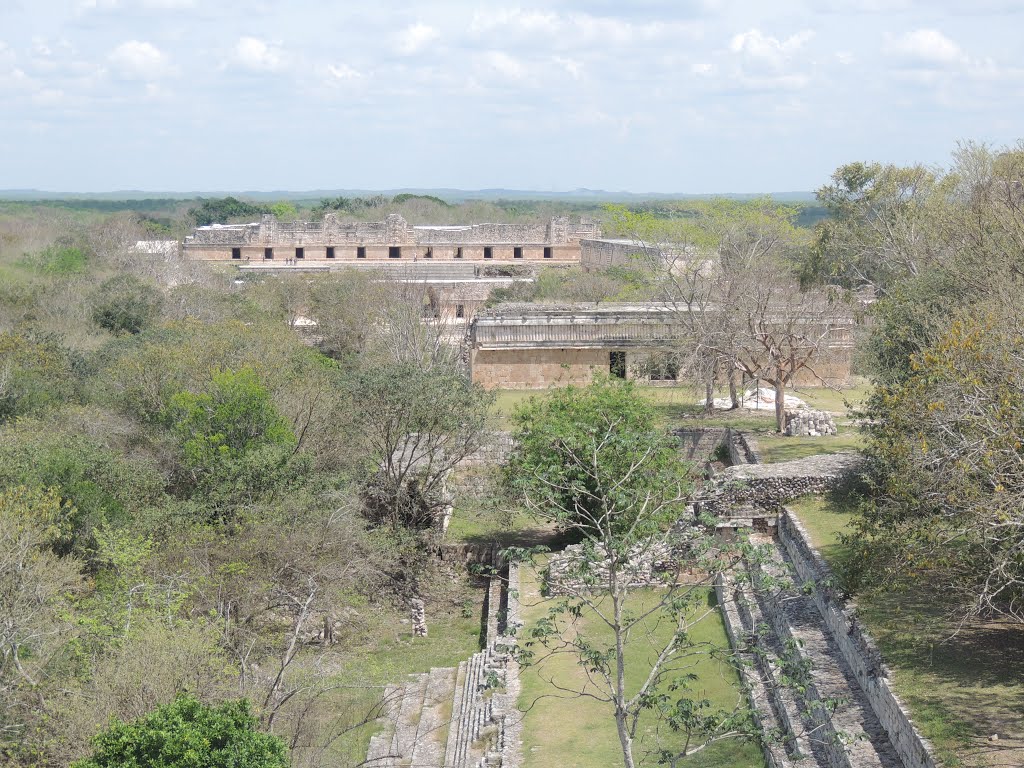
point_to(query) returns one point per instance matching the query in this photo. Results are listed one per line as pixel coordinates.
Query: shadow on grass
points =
(539, 536)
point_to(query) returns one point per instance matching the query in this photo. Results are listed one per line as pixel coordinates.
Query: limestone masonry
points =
(330, 240)
(535, 346)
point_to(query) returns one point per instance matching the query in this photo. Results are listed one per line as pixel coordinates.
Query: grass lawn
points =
(561, 730)
(962, 683)
(775, 447)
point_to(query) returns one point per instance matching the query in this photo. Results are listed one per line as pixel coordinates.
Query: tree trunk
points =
(733, 393)
(780, 404)
(709, 396)
(625, 739)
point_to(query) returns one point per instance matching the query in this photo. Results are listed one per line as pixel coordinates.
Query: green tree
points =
(418, 422)
(592, 461)
(125, 304)
(946, 449)
(234, 418)
(188, 734)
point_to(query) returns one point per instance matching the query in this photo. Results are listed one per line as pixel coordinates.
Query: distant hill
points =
(451, 195)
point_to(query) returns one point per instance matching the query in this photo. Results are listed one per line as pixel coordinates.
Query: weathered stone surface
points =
(737, 490)
(808, 423)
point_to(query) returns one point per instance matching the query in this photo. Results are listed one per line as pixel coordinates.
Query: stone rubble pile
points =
(808, 423)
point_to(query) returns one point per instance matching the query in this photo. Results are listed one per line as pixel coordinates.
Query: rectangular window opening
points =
(236, 253)
(330, 251)
(460, 310)
(300, 253)
(488, 253)
(517, 253)
(361, 252)
(617, 364)
(394, 252)
(548, 252)
(268, 253)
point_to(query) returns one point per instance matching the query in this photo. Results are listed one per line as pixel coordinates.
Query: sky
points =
(706, 96)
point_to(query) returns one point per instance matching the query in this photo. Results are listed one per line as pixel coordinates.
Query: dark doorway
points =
(236, 253)
(330, 251)
(394, 252)
(361, 252)
(458, 253)
(488, 253)
(268, 253)
(548, 252)
(517, 253)
(429, 254)
(617, 364)
(300, 253)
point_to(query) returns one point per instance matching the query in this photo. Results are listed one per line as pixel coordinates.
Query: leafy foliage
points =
(947, 452)
(577, 454)
(125, 304)
(223, 210)
(188, 734)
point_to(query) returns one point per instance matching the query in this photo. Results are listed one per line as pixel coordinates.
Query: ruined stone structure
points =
(331, 241)
(805, 422)
(533, 346)
(604, 252)
(465, 716)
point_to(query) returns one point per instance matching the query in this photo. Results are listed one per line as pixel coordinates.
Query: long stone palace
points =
(518, 346)
(394, 239)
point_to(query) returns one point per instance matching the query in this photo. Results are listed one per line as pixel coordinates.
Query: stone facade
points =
(392, 240)
(534, 346)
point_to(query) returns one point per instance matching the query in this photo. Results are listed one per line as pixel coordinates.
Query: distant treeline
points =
(224, 210)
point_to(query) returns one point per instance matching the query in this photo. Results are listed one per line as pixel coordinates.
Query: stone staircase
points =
(462, 717)
(826, 718)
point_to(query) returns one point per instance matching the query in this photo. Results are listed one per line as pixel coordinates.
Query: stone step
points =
(455, 730)
(379, 753)
(404, 740)
(774, 712)
(435, 718)
(842, 728)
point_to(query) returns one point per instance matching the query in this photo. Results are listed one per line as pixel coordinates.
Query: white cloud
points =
(577, 29)
(703, 69)
(413, 38)
(343, 72)
(763, 62)
(257, 55)
(139, 60)
(928, 48)
(756, 45)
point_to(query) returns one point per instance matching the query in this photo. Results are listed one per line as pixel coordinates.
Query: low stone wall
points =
(699, 444)
(767, 487)
(857, 647)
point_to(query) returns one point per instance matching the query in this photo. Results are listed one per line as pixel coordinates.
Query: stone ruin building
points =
(535, 346)
(393, 240)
